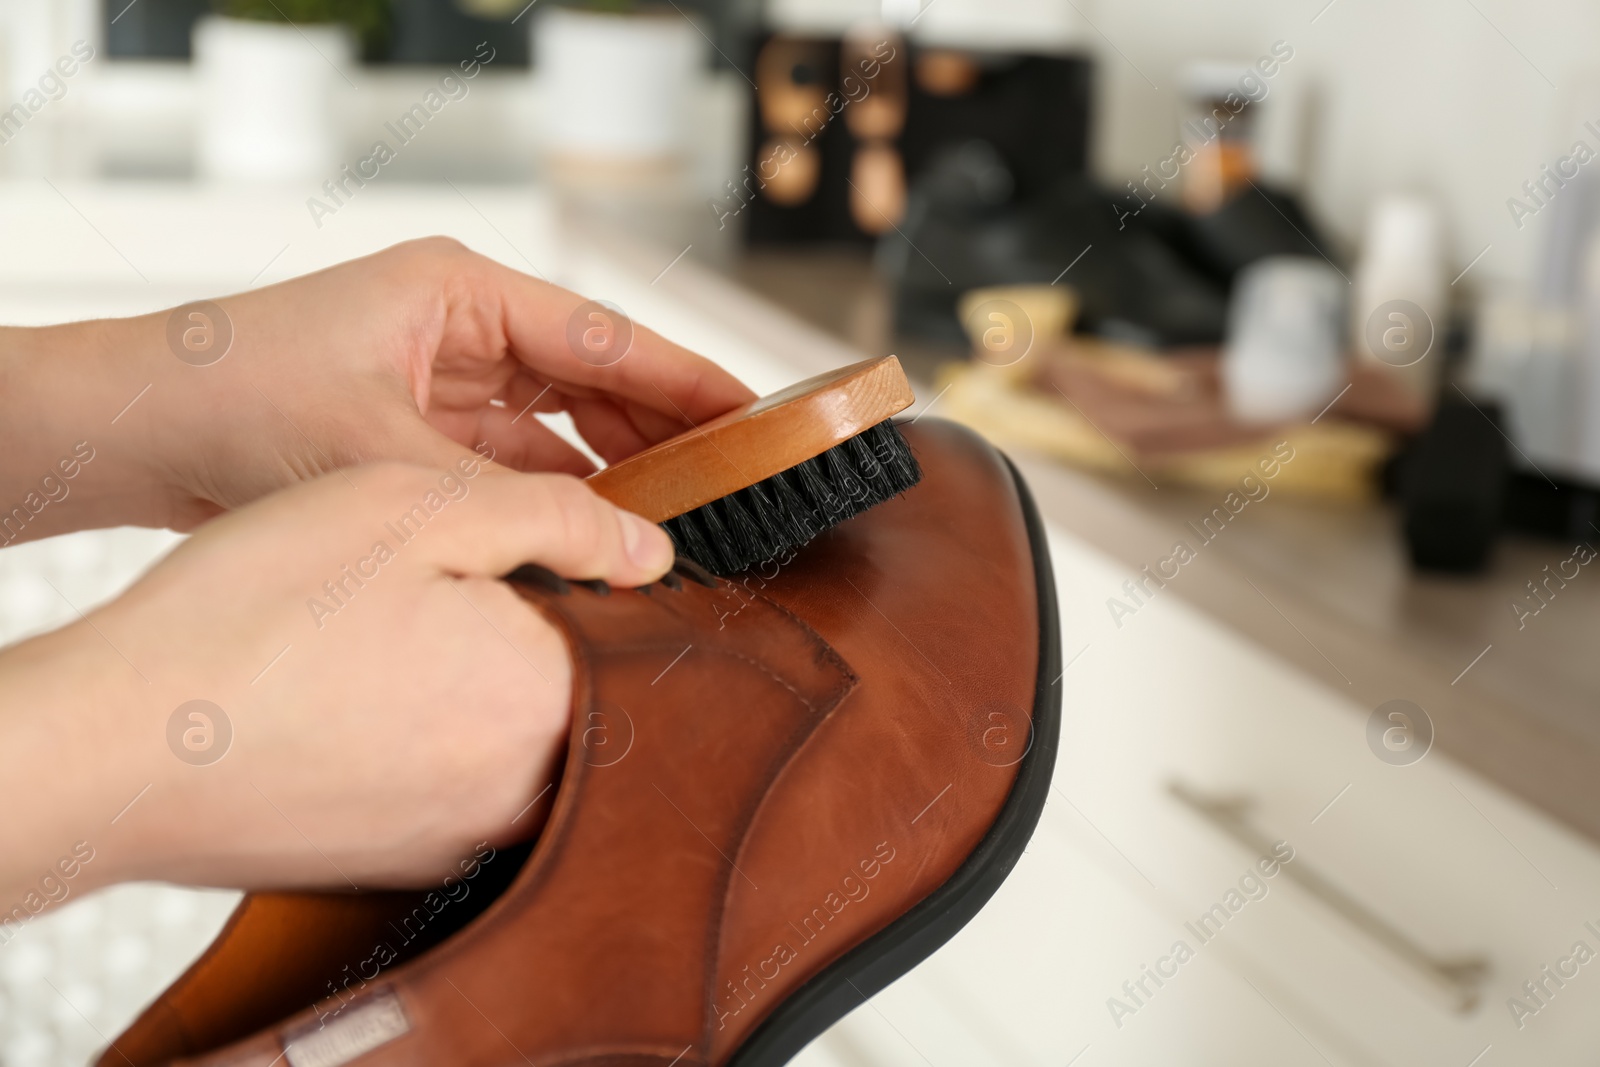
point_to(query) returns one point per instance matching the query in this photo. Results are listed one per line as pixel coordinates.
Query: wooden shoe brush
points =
(770, 475)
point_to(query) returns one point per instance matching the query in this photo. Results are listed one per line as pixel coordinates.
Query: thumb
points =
(502, 519)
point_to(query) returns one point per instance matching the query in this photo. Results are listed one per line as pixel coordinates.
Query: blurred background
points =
(1290, 313)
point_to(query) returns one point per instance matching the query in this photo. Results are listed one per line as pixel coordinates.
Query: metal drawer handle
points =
(1457, 981)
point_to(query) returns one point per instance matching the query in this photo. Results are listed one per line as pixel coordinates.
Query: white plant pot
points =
(617, 88)
(267, 98)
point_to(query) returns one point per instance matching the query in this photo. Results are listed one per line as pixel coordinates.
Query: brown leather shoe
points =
(808, 781)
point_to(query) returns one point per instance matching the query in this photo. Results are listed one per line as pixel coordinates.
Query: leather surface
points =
(278, 954)
(931, 596)
(789, 763)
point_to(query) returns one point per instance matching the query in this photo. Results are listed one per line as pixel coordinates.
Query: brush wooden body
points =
(754, 442)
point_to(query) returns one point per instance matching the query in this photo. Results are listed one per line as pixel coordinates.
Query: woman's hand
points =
(419, 353)
(390, 703)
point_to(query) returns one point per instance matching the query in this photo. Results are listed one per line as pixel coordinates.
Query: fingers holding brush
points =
(617, 429)
(581, 345)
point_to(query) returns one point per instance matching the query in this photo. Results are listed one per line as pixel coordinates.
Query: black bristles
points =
(763, 522)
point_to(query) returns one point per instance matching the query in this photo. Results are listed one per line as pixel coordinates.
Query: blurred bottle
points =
(1536, 348)
(1544, 390)
(1398, 315)
(1218, 128)
(1284, 356)
(1584, 373)
(1555, 403)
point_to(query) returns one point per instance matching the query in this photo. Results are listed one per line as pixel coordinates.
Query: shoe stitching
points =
(793, 745)
(836, 692)
(585, 651)
(845, 681)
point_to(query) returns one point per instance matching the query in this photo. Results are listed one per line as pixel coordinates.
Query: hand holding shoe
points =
(378, 702)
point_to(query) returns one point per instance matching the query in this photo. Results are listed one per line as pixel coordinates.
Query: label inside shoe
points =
(356, 1031)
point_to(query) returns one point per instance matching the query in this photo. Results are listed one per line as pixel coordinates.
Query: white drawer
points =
(1026, 983)
(1454, 865)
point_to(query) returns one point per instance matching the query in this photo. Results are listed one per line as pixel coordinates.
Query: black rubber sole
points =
(897, 948)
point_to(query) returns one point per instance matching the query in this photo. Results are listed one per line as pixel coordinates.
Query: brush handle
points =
(753, 442)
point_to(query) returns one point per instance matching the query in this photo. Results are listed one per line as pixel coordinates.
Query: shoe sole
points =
(893, 951)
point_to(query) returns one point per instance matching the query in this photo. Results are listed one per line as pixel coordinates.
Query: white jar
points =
(268, 96)
(1284, 356)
